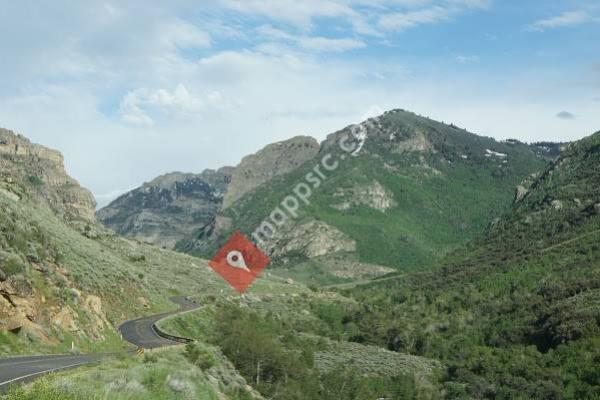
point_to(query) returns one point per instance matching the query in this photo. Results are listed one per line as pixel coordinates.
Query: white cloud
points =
(436, 12)
(310, 43)
(181, 35)
(566, 19)
(401, 21)
(366, 17)
(300, 13)
(321, 44)
(137, 105)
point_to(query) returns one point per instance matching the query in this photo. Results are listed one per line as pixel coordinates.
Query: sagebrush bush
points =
(41, 390)
(13, 266)
(199, 356)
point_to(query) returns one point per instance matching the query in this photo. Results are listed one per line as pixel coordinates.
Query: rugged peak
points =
(412, 138)
(169, 180)
(273, 160)
(168, 208)
(18, 145)
(172, 179)
(32, 170)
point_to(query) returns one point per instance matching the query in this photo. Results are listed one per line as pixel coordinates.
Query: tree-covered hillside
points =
(516, 315)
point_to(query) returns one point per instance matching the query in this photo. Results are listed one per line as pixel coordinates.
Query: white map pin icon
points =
(235, 259)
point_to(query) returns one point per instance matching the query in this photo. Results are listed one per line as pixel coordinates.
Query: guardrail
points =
(167, 336)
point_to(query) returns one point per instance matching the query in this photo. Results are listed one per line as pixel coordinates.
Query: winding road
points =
(141, 332)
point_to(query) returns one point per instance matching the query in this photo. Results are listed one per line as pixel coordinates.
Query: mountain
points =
(515, 314)
(275, 159)
(168, 208)
(66, 282)
(410, 190)
(28, 169)
(64, 277)
(172, 207)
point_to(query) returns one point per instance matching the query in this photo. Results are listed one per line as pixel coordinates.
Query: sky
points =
(131, 89)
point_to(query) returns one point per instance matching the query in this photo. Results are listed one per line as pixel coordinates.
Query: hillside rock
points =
(273, 160)
(39, 173)
(373, 196)
(309, 239)
(168, 208)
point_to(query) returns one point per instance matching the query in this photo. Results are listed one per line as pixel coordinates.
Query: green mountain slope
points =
(65, 279)
(413, 190)
(516, 315)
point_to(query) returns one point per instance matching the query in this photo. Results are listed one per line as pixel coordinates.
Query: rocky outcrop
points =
(168, 208)
(275, 159)
(38, 172)
(373, 195)
(310, 239)
(25, 309)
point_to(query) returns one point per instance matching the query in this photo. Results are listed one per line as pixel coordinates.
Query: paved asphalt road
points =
(139, 332)
(25, 369)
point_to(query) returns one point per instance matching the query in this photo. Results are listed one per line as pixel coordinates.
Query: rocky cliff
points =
(273, 160)
(28, 169)
(169, 207)
(176, 206)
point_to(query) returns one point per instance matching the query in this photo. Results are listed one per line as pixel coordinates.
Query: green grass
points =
(163, 375)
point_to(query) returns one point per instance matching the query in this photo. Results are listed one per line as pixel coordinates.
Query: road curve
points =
(139, 332)
(142, 331)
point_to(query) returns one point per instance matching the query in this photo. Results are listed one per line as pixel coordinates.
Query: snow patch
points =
(490, 153)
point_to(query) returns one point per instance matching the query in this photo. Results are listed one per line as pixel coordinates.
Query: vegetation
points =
(444, 197)
(516, 315)
(168, 375)
(281, 364)
(53, 264)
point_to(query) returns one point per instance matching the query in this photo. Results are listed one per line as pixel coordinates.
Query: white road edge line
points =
(42, 372)
(60, 358)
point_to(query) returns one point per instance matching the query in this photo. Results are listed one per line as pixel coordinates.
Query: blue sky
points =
(128, 90)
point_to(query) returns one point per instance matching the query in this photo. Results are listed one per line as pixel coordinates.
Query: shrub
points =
(199, 356)
(40, 390)
(13, 266)
(35, 181)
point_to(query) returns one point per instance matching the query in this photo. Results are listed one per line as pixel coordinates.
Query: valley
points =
(412, 273)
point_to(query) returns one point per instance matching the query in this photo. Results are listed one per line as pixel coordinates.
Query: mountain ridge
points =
(403, 165)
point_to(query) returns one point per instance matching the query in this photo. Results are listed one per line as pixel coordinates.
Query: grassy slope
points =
(517, 315)
(161, 375)
(306, 325)
(120, 271)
